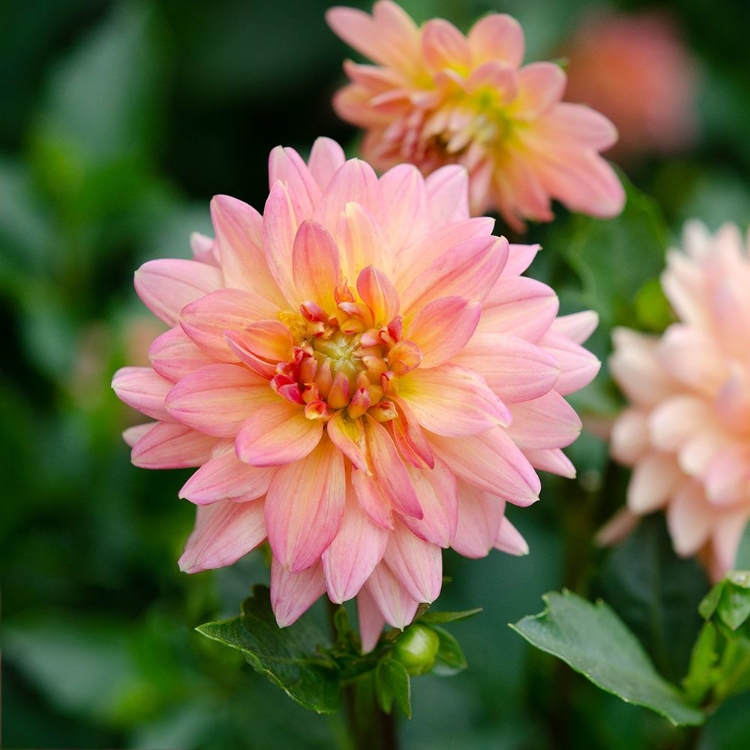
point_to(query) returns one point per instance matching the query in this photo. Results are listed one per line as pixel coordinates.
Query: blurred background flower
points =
(636, 70)
(119, 119)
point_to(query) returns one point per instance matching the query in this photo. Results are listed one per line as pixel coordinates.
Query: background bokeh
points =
(118, 122)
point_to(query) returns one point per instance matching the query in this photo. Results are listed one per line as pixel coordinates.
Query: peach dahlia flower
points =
(362, 378)
(687, 430)
(438, 97)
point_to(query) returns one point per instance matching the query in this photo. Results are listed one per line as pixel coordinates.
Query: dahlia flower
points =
(637, 71)
(438, 97)
(687, 430)
(361, 377)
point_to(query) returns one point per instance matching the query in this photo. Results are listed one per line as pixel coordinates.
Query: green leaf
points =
(596, 643)
(438, 618)
(657, 595)
(290, 657)
(742, 561)
(734, 605)
(710, 601)
(450, 658)
(702, 674)
(392, 683)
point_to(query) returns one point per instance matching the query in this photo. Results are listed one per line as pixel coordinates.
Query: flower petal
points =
(173, 355)
(326, 157)
(170, 445)
(285, 164)
(391, 598)
(224, 532)
(277, 433)
(292, 594)
(417, 564)
(305, 507)
(496, 37)
(144, 390)
(479, 518)
(315, 265)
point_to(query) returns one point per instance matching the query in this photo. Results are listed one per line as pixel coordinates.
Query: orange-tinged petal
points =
(379, 294)
(286, 165)
(444, 46)
(417, 564)
(348, 435)
(362, 241)
(326, 157)
(305, 506)
(391, 597)
(173, 355)
(316, 265)
(293, 593)
(497, 36)
(279, 230)
(451, 400)
(443, 327)
(277, 433)
(224, 532)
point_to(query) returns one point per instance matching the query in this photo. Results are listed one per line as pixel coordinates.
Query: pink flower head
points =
(362, 378)
(438, 97)
(637, 71)
(687, 430)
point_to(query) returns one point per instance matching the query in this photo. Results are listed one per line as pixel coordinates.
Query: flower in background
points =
(438, 97)
(636, 71)
(687, 430)
(362, 377)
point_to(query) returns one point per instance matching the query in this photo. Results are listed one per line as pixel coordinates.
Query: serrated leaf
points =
(392, 683)
(596, 643)
(450, 658)
(290, 657)
(742, 560)
(438, 618)
(734, 605)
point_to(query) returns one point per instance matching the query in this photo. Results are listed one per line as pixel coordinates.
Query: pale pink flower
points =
(687, 430)
(637, 71)
(362, 377)
(437, 97)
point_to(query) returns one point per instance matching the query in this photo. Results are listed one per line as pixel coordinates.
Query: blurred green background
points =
(118, 122)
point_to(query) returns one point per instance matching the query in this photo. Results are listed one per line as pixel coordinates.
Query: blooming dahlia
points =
(437, 97)
(362, 377)
(687, 431)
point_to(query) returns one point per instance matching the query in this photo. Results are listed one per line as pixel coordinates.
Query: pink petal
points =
(520, 258)
(578, 326)
(577, 126)
(578, 366)
(514, 368)
(355, 182)
(541, 86)
(444, 46)
(417, 564)
(292, 594)
(165, 286)
(452, 401)
(448, 194)
(305, 506)
(469, 270)
(654, 478)
(353, 554)
(286, 165)
(496, 37)
(133, 435)
(225, 477)
(492, 462)
(217, 399)
(277, 433)
(170, 445)
(173, 355)
(224, 532)
(208, 319)
(546, 422)
(326, 157)
(630, 436)
(510, 540)
(552, 460)
(677, 419)
(371, 622)
(144, 390)
(479, 518)
(239, 237)
(518, 306)
(379, 294)
(409, 437)
(372, 500)
(348, 435)
(391, 598)
(438, 498)
(362, 242)
(690, 519)
(315, 265)
(279, 230)
(677, 349)
(389, 471)
(443, 327)
(405, 205)
(727, 478)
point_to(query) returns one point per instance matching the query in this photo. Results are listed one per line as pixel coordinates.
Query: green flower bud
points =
(416, 648)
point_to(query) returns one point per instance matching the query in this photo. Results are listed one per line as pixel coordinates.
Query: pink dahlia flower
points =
(362, 378)
(687, 431)
(637, 71)
(438, 97)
